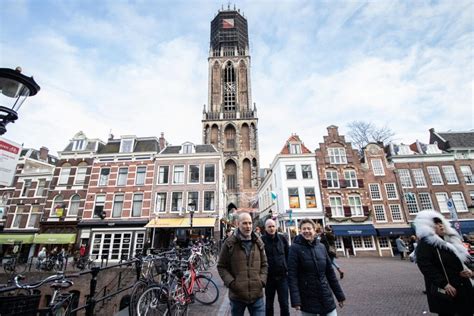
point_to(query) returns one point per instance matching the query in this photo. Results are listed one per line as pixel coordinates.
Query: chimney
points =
(162, 141)
(43, 153)
(333, 131)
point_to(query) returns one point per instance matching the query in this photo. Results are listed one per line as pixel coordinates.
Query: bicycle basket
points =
(20, 304)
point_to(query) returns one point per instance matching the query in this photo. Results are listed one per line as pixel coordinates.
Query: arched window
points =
(230, 137)
(229, 87)
(247, 174)
(214, 135)
(245, 135)
(57, 209)
(64, 174)
(231, 174)
(73, 208)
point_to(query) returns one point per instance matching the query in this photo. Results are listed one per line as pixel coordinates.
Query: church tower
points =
(230, 119)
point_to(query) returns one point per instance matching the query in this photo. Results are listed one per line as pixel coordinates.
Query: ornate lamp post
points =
(191, 209)
(14, 88)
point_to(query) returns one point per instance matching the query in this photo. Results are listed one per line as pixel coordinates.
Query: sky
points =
(140, 67)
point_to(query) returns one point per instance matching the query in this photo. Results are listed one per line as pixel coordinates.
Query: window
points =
(425, 201)
(137, 204)
(306, 172)
(114, 245)
(396, 212)
(209, 173)
(459, 202)
(73, 209)
(295, 148)
(160, 205)
(375, 191)
(405, 178)
(40, 188)
(351, 179)
(35, 214)
(229, 87)
(339, 243)
(81, 172)
(365, 242)
(336, 206)
(291, 172)
(379, 211)
(337, 155)
(419, 177)
(26, 187)
(442, 198)
(450, 175)
(412, 205)
(79, 144)
(163, 174)
(356, 205)
(294, 198)
(178, 174)
(118, 205)
(391, 190)
(377, 167)
(332, 179)
(384, 242)
(126, 145)
(64, 174)
(193, 174)
(368, 242)
(230, 137)
(188, 149)
(357, 241)
(467, 174)
(104, 176)
(193, 198)
(18, 218)
(435, 175)
(310, 197)
(122, 176)
(99, 205)
(209, 201)
(140, 176)
(176, 201)
(404, 150)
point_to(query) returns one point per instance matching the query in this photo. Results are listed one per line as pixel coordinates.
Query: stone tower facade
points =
(230, 120)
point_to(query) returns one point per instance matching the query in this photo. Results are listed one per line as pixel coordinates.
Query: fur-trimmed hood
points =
(424, 226)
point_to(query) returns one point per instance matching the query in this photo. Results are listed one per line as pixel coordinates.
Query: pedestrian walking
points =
(443, 260)
(276, 249)
(329, 241)
(242, 266)
(312, 280)
(82, 250)
(401, 247)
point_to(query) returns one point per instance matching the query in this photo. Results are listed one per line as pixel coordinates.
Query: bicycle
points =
(84, 262)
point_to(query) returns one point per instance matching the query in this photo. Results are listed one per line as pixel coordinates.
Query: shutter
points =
(324, 183)
(347, 211)
(328, 211)
(342, 183)
(366, 210)
(360, 183)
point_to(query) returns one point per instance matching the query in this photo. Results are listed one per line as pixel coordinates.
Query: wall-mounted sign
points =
(9, 155)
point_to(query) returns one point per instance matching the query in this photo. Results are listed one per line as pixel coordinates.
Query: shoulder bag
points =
(438, 292)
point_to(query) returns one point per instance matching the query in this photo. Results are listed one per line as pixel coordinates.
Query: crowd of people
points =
(255, 264)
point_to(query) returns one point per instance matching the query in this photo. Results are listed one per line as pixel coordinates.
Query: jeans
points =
(279, 286)
(331, 313)
(334, 263)
(256, 308)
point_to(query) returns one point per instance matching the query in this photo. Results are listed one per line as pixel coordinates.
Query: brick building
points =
(188, 186)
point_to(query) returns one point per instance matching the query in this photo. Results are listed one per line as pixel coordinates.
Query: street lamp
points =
(14, 88)
(191, 209)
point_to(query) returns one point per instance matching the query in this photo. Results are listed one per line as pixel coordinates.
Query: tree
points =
(361, 133)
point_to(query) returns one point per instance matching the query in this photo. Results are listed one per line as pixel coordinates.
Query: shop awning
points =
(202, 222)
(10, 239)
(467, 227)
(51, 239)
(354, 230)
(395, 231)
(166, 222)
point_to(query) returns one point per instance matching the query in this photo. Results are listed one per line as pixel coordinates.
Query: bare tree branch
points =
(361, 133)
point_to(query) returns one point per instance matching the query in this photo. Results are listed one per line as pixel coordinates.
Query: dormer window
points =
(187, 148)
(295, 148)
(433, 149)
(404, 150)
(126, 145)
(78, 144)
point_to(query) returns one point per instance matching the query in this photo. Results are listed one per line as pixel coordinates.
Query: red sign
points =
(9, 147)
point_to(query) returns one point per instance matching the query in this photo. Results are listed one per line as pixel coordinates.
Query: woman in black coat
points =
(443, 260)
(311, 278)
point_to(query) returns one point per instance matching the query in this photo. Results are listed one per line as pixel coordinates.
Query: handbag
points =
(332, 251)
(438, 292)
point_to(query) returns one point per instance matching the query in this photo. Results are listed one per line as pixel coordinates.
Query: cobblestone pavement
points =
(373, 286)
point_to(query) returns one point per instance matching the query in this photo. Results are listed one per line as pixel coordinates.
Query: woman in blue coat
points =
(312, 280)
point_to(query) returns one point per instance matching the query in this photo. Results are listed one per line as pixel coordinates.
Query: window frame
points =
(419, 177)
(462, 200)
(213, 201)
(392, 212)
(213, 173)
(450, 175)
(163, 174)
(289, 173)
(134, 203)
(179, 174)
(331, 179)
(356, 210)
(373, 193)
(122, 177)
(306, 174)
(390, 190)
(425, 201)
(64, 175)
(190, 174)
(336, 210)
(179, 208)
(71, 203)
(467, 175)
(351, 181)
(378, 170)
(435, 175)
(104, 177)
(160, 202)
(143, 174)
(310, 197)
(121, 203)
(337, 155)
(443, 206)
(294, 199)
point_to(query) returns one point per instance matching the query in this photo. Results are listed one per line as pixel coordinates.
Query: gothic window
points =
(214, 134)
(247, 173)
(231, 175)
(229, 87)
(230, 137)
(245, 135)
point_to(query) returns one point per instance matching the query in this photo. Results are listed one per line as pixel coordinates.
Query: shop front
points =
(386, 237)
(355, 240)
(18, 245)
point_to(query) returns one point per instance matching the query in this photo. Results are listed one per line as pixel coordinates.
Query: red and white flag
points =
(228, 23)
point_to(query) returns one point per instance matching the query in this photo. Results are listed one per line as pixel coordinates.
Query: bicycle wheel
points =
(153, 302)
(205, 290)
(137, 290)
(178, 309)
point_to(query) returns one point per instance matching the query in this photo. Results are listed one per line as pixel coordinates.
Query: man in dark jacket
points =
(242, 266)
(276, 249)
